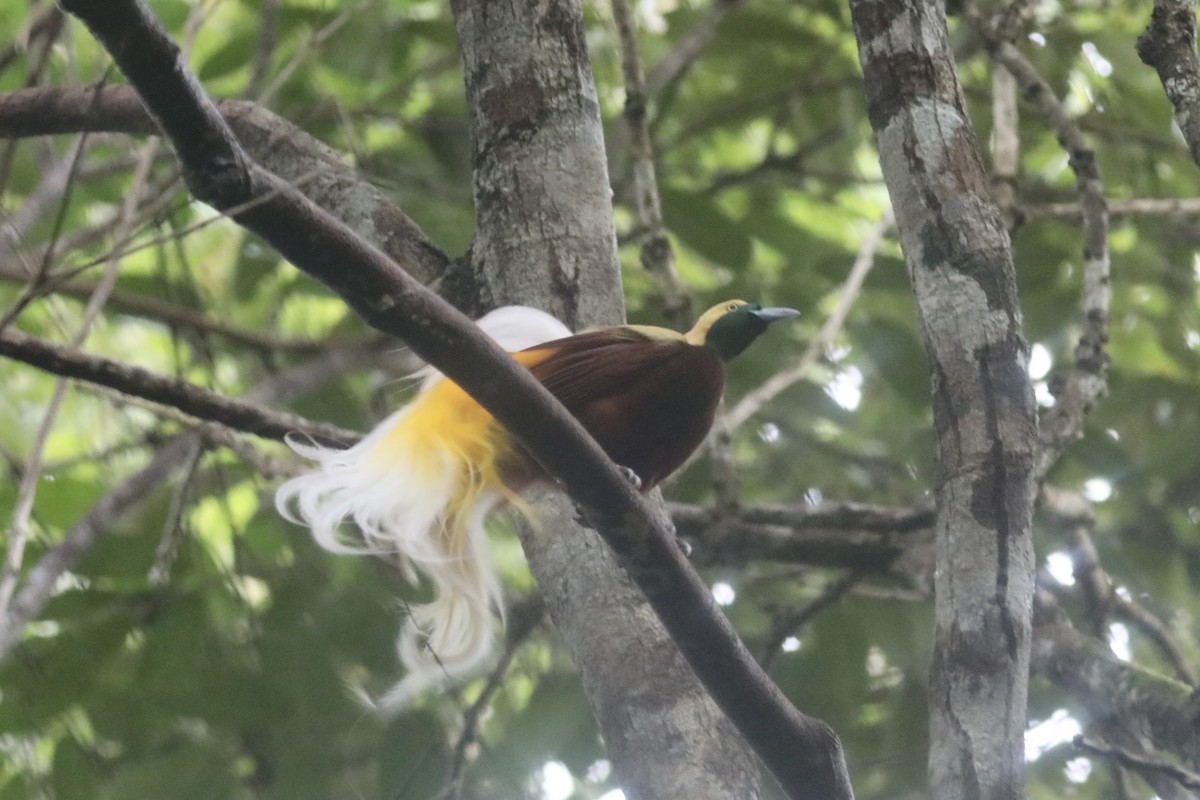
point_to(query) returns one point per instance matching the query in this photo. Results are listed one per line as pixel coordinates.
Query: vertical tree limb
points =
(1087, 380)
(959, 260)
(665, 735)
(657, 256)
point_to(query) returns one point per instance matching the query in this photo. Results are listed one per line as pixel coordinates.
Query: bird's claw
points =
(684, 545)
(630, 476)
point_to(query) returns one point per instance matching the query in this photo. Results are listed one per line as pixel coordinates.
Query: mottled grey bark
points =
(545, 237)
(544, 232)
(959, 259)
(1169, 45)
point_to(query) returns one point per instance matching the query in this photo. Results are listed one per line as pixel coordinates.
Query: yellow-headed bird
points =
(423, 482)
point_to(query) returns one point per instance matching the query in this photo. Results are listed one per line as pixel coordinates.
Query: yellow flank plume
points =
(421, 486)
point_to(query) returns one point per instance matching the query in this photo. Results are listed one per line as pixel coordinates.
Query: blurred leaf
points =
(705, 227)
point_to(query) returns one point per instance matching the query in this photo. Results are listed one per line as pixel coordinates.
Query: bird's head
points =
(728, 328)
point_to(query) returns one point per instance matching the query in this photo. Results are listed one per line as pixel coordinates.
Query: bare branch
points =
(27, 489)
(789, 621)
(657, 256)
(1144, 206)
(753, 401)
(41, 578)
(848, 535)
(1160, 708)
(1184, 777)
(676, 63)
(187, 397)
(175, 316)
(1005, 143)
(39, 581)
(523, 619)
(1087, 381)
(1075, 512)
(802, 752)
(281, 147)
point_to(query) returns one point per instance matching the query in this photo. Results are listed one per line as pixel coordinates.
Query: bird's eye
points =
(731, 307)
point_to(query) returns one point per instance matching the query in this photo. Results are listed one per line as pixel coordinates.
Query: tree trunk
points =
(544, 237)
(959, 260)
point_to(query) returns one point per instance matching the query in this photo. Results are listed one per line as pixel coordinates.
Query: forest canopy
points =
(163, 632)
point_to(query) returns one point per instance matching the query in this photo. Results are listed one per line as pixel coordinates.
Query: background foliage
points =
(204, 647)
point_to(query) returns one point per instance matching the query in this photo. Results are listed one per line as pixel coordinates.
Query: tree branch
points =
(1169, 46)
(1145, 703)
(959, 259)
(281, 147)
(1184, 777)
(849, 535)
(753, 401)
(187, 397)
(657, 256)
(39, 581)
(801, 751)
(175, 316)
(1087, 380)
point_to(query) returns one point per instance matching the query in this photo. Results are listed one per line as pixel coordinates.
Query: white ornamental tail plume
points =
(420, 486)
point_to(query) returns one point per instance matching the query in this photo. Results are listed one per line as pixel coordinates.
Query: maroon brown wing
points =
(648, 403)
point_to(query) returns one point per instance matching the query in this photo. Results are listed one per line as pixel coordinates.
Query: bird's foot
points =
(630, 476)
(684, 545)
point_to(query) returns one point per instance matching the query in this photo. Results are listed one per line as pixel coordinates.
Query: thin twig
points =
(657, 255)
(268, 38)
(672, 67)
(172, 531)
(18, 532)
(172, 392)
(1087, 381)
(1183, 776)
(524, 617)
(175, 316)
(788, 622)
(1143, 206)
(310, 49)
(39, 582)
(1006, 143)
(1075, 514)
(754, 400)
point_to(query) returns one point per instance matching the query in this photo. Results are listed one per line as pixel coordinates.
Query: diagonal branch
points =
(280, 146)
(27, 489)
(1087, 381)
(39, 582)
(753, 401)
(801, 751)
(173, 315)
(41, 579)
(187, 397)
(1169, 45)
(1184, 777)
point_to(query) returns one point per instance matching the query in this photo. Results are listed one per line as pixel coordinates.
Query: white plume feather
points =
(415, 487)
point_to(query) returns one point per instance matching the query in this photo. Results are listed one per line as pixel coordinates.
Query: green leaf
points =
(705, 227)
(188, 771)
(233, 55)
